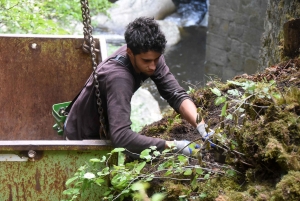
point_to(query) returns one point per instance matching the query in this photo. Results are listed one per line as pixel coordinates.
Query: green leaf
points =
(235, 83)
(117, 150)
(220, 100)
(140, 167)
(234, 92)
(188, 171)
(224, 108)
(153, 147)
(241, 110)
(139, 186)
(182, 159)
(234, 142)
(168, 172)
(266, 90)
(121, 158)
(276, 95)
(249, 86)
(190, 90)
(158, 197)
(199, 171)
(146, 154)
(206, 176)
(194, 182)
(156, 153)
(149, 178)
(95, 160)
(229, 117)
(71, 191)
(99, 181)
(71, 180)
(231, 173)
(203, 195)
(216, 91)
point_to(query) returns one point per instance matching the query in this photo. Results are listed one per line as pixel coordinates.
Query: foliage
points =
(132, 179)
(45, 16)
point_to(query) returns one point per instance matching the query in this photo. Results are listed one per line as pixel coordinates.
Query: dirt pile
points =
(256, 119)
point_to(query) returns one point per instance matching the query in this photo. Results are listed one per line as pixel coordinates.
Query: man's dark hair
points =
(143, 35)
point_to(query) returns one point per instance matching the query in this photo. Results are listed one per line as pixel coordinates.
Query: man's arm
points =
(188, 111)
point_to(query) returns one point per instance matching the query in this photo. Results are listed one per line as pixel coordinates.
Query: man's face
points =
(144, 62)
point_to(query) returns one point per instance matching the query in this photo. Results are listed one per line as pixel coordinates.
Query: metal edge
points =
(11, 145)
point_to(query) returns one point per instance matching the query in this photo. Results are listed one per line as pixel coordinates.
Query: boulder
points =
(144, 109)
(125, 11)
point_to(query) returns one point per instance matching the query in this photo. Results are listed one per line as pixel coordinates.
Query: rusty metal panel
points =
(44, 176)
(35, 73)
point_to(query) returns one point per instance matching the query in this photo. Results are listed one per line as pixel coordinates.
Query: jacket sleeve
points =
(119, 89)
(168, 86)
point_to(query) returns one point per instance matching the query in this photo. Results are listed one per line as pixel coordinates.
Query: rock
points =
(171, 31)
(126, 11)
(144, 109)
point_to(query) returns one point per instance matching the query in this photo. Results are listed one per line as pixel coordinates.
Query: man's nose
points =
(152, 66)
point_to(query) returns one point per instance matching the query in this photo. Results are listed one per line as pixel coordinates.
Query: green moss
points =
(288, 188)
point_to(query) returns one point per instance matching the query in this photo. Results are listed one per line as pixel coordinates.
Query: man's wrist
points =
(169, 144)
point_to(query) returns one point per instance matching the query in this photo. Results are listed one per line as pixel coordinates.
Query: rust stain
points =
(10, 193)
(35, 74)
(37, 180)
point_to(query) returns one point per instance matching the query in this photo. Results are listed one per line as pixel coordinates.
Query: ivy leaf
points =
(153, 147)
(182, 159)
(220, 100)
(139, 186)
(229, 117)
(117, 150)
(140, 167)
(234, 92)
(146, 154)
(203, 195)
(224, 108)
(149, 178)
(188, 171)
(235, 83)
(158, 197)
(241, 110)
(199, 171)
(194, 182)
(216, 91)
(207, 176)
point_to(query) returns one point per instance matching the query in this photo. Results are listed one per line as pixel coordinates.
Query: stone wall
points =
(235, 29)
(278, 13)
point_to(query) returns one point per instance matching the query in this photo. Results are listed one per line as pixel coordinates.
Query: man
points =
(119, 76)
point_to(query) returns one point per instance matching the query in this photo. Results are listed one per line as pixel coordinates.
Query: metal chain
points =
(90, 43)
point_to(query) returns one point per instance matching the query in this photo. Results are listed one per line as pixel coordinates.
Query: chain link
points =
(89, 46)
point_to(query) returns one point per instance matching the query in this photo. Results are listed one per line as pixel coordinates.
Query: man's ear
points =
(129, 52)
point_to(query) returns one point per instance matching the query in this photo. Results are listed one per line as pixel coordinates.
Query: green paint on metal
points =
(44, 179)
(59, 119)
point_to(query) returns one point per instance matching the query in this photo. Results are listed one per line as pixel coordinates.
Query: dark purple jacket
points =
(117, 85)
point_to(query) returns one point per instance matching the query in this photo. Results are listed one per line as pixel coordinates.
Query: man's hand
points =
(202, 131)
(184, 147)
